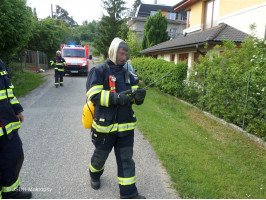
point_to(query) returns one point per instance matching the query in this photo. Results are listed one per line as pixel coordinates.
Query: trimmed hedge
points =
(219, 83)
(149, 70)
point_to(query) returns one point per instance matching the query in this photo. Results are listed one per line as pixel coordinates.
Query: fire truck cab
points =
(77, 58)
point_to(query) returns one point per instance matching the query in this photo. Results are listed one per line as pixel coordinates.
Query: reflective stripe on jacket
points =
(58, 63)
(109, 117)
(9, 105)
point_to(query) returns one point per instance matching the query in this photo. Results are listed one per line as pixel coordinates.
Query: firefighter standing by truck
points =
(114, 120)
(58, 63)
(11, 152)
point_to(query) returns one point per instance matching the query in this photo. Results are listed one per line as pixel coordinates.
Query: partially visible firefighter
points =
(114, 120)
(11, 151)
(58, 63)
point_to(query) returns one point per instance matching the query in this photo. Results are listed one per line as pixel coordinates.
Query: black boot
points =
(138, 196)
(17, 195)
(95, 184)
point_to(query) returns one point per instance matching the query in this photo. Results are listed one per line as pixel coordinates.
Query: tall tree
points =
(15, 26)
(155, 30)
(133, 43)
(62, 14)
(85, 32)
(110, 25)
(47, 36)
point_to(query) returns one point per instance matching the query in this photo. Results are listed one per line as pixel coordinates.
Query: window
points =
(153, 12)
(183, 57)
(172, 57)
(171, 16)
(173, 32)
(188, 18)
(211, 13)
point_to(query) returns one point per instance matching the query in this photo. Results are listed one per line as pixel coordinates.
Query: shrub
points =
(222, 82)
(150, 69)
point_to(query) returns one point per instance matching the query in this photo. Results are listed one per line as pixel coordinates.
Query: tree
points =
(15, 27)
(85, 32)
(110, 25)
(47, 36)
(134, 44)
(64, 16)
(155, 30)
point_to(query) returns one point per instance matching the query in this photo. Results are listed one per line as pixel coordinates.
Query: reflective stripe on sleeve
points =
(127, 181)
(3, 94)
(94, 90)
(12, 126)
(134, 88)
(105, 94)
(1, 132)
(11, 188)
(14, 101)
(4, 72)
(10, 93)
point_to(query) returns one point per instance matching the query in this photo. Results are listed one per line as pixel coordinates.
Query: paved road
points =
(58, 149)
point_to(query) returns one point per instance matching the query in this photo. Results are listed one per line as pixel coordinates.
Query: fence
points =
(34, 61)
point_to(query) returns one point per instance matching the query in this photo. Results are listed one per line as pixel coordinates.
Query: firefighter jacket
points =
(108, 116)
(58, 63)
(9, 105)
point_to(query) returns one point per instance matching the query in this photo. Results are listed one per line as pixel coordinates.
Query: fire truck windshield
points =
(74, 53)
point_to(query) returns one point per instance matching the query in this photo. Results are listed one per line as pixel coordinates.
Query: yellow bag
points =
(88, 113)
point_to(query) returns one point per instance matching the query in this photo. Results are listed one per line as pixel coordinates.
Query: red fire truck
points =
(77, 58)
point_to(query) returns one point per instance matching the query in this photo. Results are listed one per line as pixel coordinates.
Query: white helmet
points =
(58, 52)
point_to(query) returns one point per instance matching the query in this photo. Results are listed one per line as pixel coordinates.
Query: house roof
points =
(213, 35)
(182, 5)
(145, 9)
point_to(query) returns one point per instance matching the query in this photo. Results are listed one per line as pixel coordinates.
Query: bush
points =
(150, 69)
(219, 85)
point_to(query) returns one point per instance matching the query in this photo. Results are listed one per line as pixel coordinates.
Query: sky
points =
(82, 10)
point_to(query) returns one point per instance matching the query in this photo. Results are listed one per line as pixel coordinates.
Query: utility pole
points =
(52, 11)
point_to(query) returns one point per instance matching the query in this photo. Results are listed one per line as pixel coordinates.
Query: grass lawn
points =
(25, 81)
(205, 159)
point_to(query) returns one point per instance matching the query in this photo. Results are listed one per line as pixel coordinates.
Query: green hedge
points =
(219, 83)
(149, 70)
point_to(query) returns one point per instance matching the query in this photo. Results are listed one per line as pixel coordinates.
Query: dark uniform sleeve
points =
(134, 87)
(95, 88)
(11, 95)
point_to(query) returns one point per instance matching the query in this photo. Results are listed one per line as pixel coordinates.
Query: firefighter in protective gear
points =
(114, 120)
(58, 63)
(11, 152)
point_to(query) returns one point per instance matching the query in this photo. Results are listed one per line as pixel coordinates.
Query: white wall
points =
(242, 19)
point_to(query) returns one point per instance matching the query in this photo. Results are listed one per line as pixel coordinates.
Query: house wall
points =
(197, 11)
(237, 13)
(242, 19)
(227, 6)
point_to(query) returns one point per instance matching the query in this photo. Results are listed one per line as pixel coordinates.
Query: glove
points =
(122, 98)
(140, 94)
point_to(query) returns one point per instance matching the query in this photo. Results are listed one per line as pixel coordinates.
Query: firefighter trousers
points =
(123, 148)
(11, 159)
(59, 77)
